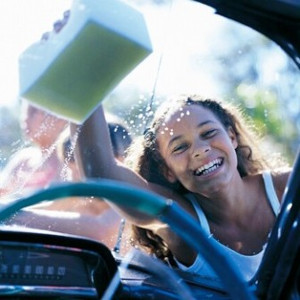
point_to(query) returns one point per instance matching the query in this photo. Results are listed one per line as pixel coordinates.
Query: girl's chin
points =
(210, 186)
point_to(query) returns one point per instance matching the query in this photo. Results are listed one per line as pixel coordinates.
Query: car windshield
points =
(194, 51)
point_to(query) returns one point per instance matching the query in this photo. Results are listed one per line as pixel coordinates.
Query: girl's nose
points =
(201, 148)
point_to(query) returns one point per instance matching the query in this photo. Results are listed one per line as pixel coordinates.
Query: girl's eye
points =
(180, 148)
(209, 133)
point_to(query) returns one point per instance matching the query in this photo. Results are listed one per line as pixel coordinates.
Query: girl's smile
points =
(209, 168)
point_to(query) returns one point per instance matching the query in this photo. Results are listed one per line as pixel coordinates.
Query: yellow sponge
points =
(71, 72)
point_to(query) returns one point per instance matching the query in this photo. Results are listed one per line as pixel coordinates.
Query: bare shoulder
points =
(280, 179)
(173, 195)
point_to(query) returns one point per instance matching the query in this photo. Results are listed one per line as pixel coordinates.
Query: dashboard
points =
(38, 264)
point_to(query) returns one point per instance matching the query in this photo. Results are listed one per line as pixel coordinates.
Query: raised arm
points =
(95, 159)
(94, 153)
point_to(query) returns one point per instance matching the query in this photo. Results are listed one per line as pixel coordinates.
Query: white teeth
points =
(211, 166)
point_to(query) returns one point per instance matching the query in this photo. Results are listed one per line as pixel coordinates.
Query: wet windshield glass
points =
(195, 51)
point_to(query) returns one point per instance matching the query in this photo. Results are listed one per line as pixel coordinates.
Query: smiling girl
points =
(202, 155)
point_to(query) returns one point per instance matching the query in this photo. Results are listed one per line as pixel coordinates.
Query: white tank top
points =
(247, 264)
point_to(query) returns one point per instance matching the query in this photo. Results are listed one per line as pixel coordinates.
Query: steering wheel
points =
(152, 204)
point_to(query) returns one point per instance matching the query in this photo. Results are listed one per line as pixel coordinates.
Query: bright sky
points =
(22, 23)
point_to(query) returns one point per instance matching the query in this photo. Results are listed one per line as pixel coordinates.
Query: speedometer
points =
(49, 265)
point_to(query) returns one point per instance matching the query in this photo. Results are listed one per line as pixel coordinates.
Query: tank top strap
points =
(270, 191)
(200, 214)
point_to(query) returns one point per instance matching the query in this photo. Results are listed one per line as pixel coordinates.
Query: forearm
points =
(93, 150)
(94, 153)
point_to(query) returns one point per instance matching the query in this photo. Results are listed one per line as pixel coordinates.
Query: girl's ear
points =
(170, 176)
(232, 136)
